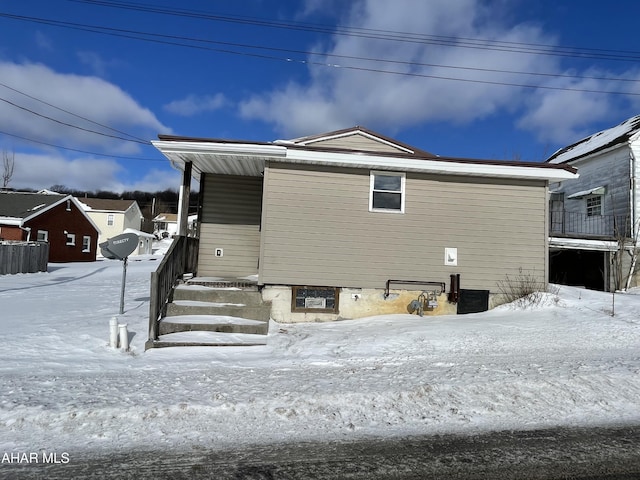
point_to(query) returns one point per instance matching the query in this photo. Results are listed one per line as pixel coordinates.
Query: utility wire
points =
(80, 151)
(144, 142)
(102, 30)
(464, 42)
(71, 113)
(132, 34)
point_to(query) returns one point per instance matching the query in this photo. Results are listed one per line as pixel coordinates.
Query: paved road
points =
(612, 453)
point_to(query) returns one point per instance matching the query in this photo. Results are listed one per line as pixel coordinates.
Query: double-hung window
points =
(594, 205)
(86, 244)
(386, 193)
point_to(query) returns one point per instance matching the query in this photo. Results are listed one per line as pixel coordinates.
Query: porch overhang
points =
(583, 244)
(220, 158)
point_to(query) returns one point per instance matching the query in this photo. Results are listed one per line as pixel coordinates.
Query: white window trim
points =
(86, 244)
(71, 239)
(45, 235)
(403, 178)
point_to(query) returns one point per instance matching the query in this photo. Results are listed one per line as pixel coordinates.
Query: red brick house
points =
(57, 219)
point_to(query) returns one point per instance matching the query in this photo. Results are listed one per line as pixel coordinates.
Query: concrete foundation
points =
(353, 303)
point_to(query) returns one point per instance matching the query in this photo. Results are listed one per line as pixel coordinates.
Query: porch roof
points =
(228, 157)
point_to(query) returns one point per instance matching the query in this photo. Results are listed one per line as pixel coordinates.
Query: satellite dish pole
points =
(120, 247)
(124, 281)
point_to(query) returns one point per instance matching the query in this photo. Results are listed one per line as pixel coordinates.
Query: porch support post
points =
(183, 206)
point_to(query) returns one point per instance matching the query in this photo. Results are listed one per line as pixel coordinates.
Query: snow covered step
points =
(209, 339)
(215, 294)
(212, 323)
(191, 307)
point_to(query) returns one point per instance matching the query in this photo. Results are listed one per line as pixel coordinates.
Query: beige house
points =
(352, 223)
(114, 217)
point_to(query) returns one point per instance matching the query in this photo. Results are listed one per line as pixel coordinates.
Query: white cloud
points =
(335, 98)
(193, 104)
(90, 97)
(37, 171)
(340, 97)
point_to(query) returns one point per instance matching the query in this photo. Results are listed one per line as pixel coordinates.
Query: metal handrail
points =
(181, 258)
(413, 282)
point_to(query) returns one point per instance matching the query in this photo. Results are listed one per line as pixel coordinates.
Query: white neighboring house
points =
(115, 217)
(165, 225)
(594, 218)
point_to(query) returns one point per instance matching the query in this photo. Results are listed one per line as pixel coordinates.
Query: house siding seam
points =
(230, 220)
(318, 230)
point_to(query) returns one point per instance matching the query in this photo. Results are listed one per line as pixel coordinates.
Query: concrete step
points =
(216, 294)
(212, 323)
(196, 307)
(207, 339)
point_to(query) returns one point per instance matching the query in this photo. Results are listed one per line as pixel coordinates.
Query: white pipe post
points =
(124, 337)
(113, 332)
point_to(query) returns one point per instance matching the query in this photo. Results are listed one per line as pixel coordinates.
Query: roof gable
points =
(113, 205)
(356, 139)
(618, 135)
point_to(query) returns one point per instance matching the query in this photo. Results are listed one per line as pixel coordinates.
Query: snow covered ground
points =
(64, 389)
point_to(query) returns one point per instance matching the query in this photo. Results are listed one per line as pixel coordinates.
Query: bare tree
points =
(8, 163)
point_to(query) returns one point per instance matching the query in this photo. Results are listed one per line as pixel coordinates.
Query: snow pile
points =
(567, 362)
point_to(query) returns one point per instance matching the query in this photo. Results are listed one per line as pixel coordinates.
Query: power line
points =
(463, 42)
(80, 151)
(132, 34)
(71, 125)
(71, 113)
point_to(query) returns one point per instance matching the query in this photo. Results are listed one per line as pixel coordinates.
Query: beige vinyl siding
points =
(231, 221)
(357, 142)
(318, 230)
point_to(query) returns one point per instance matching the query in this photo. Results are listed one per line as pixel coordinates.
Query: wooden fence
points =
(23, 257)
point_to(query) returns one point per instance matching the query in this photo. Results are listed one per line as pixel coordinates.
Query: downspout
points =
(28, 230)
(633, 214)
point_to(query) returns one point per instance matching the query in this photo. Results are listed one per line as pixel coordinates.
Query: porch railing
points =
(582, 225)
(181, 258)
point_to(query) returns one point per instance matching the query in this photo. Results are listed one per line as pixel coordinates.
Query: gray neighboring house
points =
(352, 223)
(594, 218)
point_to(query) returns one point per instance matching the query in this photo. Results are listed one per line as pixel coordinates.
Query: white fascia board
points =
(12, 221)
(425, 166)
(218, 148)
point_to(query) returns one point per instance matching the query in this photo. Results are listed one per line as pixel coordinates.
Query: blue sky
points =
(436, 74)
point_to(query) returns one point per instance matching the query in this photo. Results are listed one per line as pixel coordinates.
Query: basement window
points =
(314, 299)
(386, 192)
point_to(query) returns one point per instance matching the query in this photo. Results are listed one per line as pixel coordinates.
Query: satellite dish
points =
(120, 246)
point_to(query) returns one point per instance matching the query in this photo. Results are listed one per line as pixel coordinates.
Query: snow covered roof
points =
(107, 204)
(597, 142)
